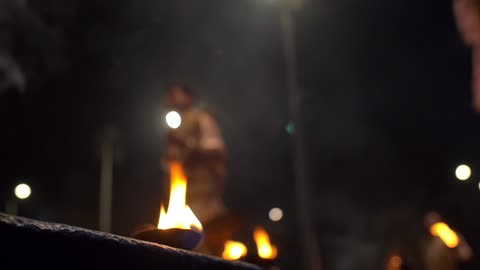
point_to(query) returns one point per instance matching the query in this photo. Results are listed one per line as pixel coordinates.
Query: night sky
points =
(386, 108)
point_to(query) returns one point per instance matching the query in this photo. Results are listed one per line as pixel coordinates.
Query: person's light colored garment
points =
(468, 20)
(206, 190)
(210, 135)
(467, 15)
(206, 174)
(476, 78)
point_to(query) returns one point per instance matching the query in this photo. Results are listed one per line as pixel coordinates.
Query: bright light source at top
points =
(463, 172)
(23, 191)
(174, 120)
(276, 214)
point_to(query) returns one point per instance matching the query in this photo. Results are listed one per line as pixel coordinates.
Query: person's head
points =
(179, 96)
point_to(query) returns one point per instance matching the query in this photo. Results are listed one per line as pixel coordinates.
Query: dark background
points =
(386, 107)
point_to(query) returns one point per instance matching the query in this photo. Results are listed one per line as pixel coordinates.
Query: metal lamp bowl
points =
(263, 263)
(177, 238)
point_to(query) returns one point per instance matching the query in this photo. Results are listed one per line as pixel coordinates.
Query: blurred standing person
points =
(198, 144)
(467, 14)
(437, 255)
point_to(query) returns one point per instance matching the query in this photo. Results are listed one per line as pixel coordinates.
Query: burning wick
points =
(265, 249)
(266, 252)
(178, 226)
(234, 250)
(445, 233)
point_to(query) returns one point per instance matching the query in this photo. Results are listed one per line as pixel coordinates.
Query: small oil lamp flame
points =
(265, 249)
(178, 226)
(179, 215)
(234, 250)
(445, 233)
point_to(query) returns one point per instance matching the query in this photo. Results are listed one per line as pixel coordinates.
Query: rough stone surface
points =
(26, 243)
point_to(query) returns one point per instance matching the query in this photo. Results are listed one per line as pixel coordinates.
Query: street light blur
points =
(23, 191)
(276, 214)
(174, 120)
(463, 172)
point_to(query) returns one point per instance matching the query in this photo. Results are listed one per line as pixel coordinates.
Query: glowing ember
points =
(443, 231)
(264, 247)
(395, 263)
(178, 215)
(234, 250)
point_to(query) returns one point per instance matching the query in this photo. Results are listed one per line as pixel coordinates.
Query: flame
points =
(443, 231)
(265, 249)
(234, 250)
(179, 215)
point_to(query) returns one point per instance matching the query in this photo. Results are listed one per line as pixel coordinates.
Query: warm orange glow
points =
(264, 247)
(395, 262)
(178, 215)
(443, 231)
(234, 250)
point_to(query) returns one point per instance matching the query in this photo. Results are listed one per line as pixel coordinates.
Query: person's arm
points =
(468, 20)
(210, 142)
(177, 138)
(209, 153)
(188, 135)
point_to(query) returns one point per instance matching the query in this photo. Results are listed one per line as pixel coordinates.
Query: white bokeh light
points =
(276, 214)
(174, 120)
(23, 191)
(463, 172)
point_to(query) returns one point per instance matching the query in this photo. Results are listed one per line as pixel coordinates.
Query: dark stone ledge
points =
(26, 243)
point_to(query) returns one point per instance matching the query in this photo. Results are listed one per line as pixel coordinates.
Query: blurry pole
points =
(307, 232)
(11, 207)
(106, 179)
